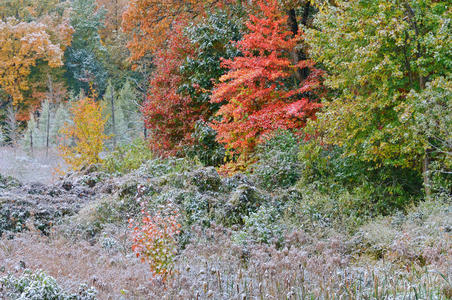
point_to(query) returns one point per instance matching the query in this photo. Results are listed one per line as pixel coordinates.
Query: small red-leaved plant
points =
(155, 241)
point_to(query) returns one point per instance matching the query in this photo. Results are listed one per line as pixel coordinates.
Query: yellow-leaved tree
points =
(85, 137)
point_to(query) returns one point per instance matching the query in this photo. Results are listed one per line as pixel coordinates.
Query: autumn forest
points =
(225, 149)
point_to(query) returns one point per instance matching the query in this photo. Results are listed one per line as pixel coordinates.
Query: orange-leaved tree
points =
(22, 45)
(114, 10)
(260, 90)
(149, 22)
(84, 136)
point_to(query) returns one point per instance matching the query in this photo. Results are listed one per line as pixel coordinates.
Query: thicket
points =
(127, 157)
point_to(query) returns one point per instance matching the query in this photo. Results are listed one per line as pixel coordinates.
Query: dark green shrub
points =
(206, 148)
(170, 166)
(197, 209)
(262, 226)
(205, 179)
(357, 188)
(278, 165)
(244, 200)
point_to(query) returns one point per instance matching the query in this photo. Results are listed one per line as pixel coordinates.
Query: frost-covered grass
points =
(27, 167)
(371, 264)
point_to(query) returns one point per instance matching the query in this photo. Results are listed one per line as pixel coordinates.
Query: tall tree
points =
(168, 115)
(376, 52)
(114, 10)
(22, 46)
(115, 41)
(43, 126)
(26, 10)
(212, 39)
(149, 22)
(258, 91)
(132, 120)
(85, 63)
(125, 121)
(53, 16)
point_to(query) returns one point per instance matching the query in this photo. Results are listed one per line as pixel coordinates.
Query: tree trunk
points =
(299, 55)
(11, 124)
(426, 175)
(145, 130)
(48, 115)
(296, 55)
(113, 122)
(31, 142)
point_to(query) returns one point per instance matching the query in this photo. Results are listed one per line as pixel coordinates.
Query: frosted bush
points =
(39, 285)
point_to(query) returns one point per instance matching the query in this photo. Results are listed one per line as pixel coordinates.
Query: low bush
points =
(127, 158)
(244, 200)
(155, 241)
(164, 167)
(356, 187)
(278, 165)
(318, 211)
(39, 285)
(8, 182)
(262, 226)
(418, 237)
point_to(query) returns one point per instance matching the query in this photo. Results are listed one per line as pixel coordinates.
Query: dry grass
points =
(213, 267)
(73, 263)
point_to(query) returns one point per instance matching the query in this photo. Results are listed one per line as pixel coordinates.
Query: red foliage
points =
(154, 239)
(170, 116)
(257, 92)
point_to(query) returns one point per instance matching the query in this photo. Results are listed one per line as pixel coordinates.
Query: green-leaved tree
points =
(381, 57)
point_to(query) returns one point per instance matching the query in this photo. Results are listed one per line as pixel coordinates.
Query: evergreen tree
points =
(109, 102)
(35, 135)
(84, 58)
(124, 123)
(30, 140)
(61, 116)
(132, 122)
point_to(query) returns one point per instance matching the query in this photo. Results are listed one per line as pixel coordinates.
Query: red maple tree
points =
(259, 91)
(169, 115)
